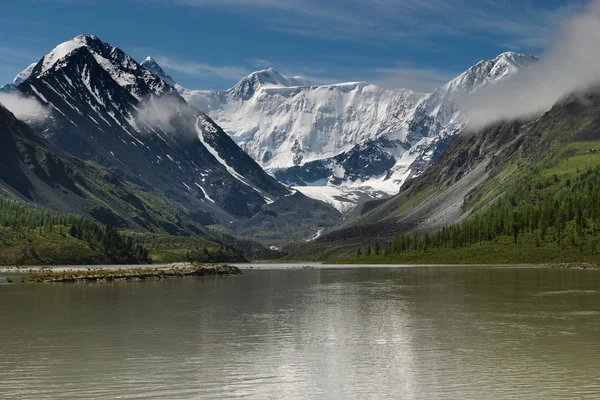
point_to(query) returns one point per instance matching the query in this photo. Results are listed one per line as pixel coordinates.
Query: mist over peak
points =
(570, 64)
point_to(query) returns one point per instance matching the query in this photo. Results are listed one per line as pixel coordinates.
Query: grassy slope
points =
(22, 242)
(42, 248)
(35, 247)
(500, 251)
(170, 249)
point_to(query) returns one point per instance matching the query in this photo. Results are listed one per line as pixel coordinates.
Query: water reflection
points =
(414, 333)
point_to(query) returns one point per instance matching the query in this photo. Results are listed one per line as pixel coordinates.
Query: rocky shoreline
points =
(577, 265)
(121, 274)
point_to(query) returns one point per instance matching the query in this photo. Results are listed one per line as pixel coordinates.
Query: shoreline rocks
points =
(577, 265)
(111, 275)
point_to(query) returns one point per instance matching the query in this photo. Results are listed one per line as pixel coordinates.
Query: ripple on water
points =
(563, 292)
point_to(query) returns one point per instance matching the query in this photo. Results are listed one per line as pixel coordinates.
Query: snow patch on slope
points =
(23, 75)
(208, 127)
(281, 126)
(204, 192)
(348, 132)
(62, 50)
(345, 198)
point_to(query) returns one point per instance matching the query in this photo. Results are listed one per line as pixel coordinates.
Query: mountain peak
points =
(151, 65)
(88, 57)
(53, 58)
(519, 60)
(64, 49)
(513, 55)
(269, 77)
(21, 76)
(489, 71)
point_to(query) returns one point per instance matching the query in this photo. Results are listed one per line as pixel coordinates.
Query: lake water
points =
(364, 333)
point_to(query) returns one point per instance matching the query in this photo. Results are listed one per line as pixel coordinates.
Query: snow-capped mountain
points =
(356, 138)
(21, 76)
(153, 67)
(102, 106)
(487, 72)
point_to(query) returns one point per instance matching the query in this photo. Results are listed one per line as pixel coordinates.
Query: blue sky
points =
(210, 44)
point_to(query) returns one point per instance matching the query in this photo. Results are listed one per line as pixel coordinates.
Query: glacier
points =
(359, 140)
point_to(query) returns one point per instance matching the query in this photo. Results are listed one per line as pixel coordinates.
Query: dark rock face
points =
(36, 171)
(363, 161)
(301, 175)
(289, 217)
(97, 92)
(153, 67)
(104, 107)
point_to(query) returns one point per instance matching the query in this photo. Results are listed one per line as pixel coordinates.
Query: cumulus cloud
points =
(24, 108)
(170, 114)
(571, 64)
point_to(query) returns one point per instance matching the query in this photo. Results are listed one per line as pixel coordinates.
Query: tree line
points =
(26, 219)
(548, 210)
(224, 253)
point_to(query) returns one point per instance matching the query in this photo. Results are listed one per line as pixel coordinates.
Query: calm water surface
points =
(402, 333)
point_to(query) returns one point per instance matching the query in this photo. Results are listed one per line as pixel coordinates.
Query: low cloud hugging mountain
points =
(24, 108)
(170, 114)
(571, 64)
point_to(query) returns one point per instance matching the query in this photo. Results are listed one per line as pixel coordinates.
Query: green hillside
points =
(32, 235)
(35, 235)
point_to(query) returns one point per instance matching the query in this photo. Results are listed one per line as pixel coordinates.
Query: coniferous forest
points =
(23, 223)
(561, 212)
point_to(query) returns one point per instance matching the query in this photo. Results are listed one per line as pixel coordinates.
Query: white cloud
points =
(200, 70)
(24, 108)
(169, 114)
(572, 63)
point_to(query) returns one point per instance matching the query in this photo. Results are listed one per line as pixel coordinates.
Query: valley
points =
(337, 140)
(279, 167)
(300, 199)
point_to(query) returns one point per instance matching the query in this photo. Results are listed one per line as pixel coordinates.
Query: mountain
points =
(38, 176)
(35, 171)
(265, 79)
(515, 191)
(358, 140)
(102, 106)
(153, 67)
(21, 76)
